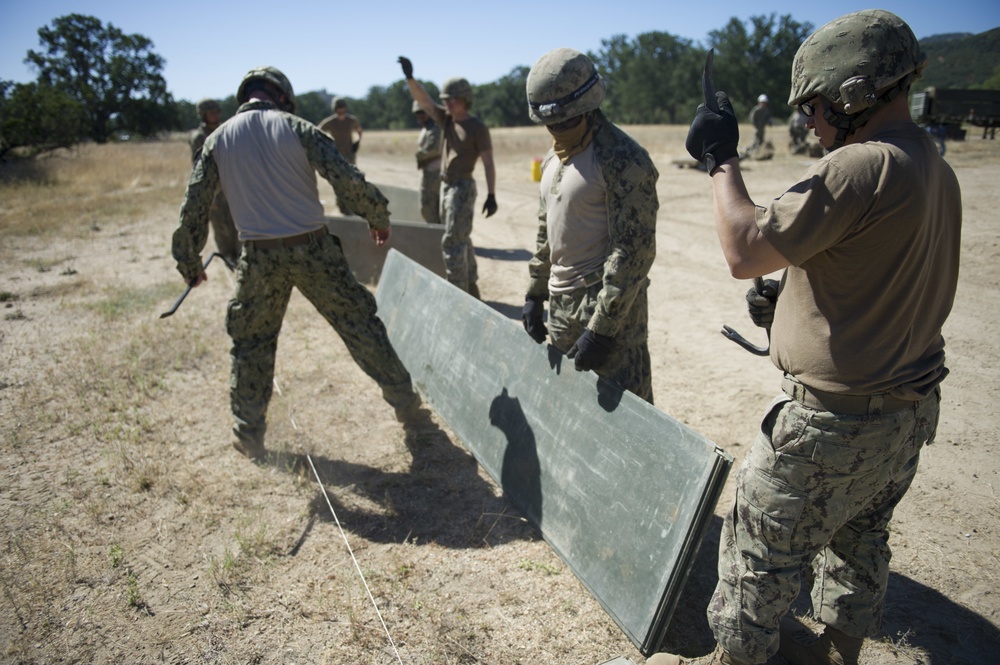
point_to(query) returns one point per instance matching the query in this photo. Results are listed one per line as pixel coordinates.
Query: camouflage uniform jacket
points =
(321, 152)
(197, 140)
(632, 205)
(429, 146)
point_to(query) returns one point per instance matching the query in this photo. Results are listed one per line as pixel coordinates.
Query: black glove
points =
(761, 303)
(490, 207)
(531, 317)
(591, 350)
(713, 137)
(355, 146)
(407, 66)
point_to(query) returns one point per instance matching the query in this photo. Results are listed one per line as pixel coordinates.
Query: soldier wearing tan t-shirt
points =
(868, 240)
(343, 127)
(466, 140)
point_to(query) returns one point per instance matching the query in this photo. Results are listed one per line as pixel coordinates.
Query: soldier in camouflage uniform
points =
(869, 243)
(265, 158)
(227, 239)
(597, 233)
(429, 162)
(466, 140)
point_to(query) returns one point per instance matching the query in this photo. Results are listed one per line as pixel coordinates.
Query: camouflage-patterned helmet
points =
(458, 88)
(852, 58)
(272, 75)
(563, 84)
(338, 103)
(205, 105)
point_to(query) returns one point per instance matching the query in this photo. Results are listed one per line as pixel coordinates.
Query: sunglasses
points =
(807, 109)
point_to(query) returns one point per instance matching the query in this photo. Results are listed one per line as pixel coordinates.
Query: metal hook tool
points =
(191, 285)
(758, 283)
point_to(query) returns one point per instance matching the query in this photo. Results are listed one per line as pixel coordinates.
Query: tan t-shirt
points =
(463, 141)
(342, 131)
(872, 233)
(574, 197)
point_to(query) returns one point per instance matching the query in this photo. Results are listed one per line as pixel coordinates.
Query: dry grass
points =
(70, 191)
(133, 532)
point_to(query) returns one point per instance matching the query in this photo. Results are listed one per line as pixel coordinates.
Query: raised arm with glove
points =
(714, 136)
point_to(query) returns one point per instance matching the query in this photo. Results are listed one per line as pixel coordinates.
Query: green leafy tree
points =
(993, 82)
(313, 106)
(654, 78)
(389, 107)
(39, 118)
(115, 77)
(757, 58)
(503, 103)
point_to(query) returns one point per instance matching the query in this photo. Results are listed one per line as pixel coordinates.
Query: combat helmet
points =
(270, 75)
(205, 105)
(338, 103)
(862, 60)
(458, 88)
(563, 84)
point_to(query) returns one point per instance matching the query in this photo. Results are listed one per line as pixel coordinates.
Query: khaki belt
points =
(851, 405)
(289, 241)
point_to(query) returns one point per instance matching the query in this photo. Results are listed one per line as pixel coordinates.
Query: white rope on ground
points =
(343, 535)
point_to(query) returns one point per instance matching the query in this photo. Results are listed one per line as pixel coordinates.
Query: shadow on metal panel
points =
(622, 492)
(410, 236)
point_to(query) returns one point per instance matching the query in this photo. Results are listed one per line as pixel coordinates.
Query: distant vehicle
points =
(945, 109)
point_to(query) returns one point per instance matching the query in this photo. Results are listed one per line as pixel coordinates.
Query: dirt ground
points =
(134, 533)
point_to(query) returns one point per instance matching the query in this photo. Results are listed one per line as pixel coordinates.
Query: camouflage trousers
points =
(430, 195)
(629, 364)
(227, 238)
(264, 282)
(458, 201)
(814, 497)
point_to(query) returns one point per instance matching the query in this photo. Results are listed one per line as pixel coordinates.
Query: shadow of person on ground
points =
(442, 499)
(915, 615)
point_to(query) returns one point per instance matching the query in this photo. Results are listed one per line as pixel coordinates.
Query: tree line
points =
(97, 83)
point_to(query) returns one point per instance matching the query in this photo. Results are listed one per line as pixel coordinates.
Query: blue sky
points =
(346, 48)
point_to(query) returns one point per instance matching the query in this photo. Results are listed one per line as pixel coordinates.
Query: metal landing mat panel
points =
(621, 491)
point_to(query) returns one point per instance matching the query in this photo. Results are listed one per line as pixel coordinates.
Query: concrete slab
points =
(620, 490)
(410, 236)
(404, 204)
(420, 242)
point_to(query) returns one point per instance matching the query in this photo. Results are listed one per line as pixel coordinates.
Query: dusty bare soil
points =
(134, 533)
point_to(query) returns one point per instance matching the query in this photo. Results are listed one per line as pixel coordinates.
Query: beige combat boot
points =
(718, 657)
(801, 647)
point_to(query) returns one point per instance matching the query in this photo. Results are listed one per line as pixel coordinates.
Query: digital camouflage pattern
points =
(458, 201)
(563, 84)
(265, 278)
(632, 205)
(458, 88)
(348, 183)
(430, 196)
(817, 489)
(319, 271)
(227, 239)
(629, 364)
(872, 43)
(271, 75)
(429, 144)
